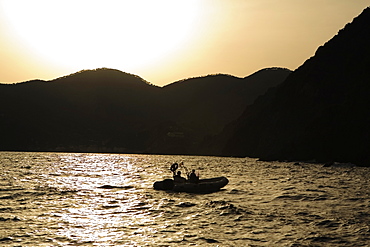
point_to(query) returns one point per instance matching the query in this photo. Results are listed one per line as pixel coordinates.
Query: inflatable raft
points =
(203, 186)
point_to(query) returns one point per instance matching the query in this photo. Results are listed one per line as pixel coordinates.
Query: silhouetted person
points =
(178, 179)
(174, 168)
(193, 178)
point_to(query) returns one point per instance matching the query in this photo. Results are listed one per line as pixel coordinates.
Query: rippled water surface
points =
(54, 199)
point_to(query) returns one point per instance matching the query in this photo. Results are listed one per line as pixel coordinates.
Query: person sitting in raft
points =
(178, 179)
(192, 177)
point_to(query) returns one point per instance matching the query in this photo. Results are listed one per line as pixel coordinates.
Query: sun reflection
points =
(93, 222)
(99, 215)
(102, 215)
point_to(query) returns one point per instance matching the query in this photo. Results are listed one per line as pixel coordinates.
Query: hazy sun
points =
(122, 34)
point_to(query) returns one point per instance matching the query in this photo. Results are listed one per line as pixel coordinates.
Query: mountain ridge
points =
(107, 110)
(320, 112)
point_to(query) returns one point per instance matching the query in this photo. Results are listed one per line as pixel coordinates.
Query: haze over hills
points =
(321, 112)
(106, 110)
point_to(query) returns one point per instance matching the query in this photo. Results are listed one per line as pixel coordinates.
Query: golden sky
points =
(164, 41)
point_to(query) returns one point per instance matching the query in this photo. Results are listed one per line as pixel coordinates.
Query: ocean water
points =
(54, 199)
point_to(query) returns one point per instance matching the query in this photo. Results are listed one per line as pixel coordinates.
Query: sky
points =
(164, 41)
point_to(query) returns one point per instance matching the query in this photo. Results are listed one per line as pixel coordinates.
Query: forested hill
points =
(321, 112)
(106, 110)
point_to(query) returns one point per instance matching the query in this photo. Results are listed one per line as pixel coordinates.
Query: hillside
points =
(321, 112)
(88, 109)
(107, 110)
(213, 100)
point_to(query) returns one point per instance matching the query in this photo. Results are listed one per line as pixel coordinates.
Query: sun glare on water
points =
(126, 35)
